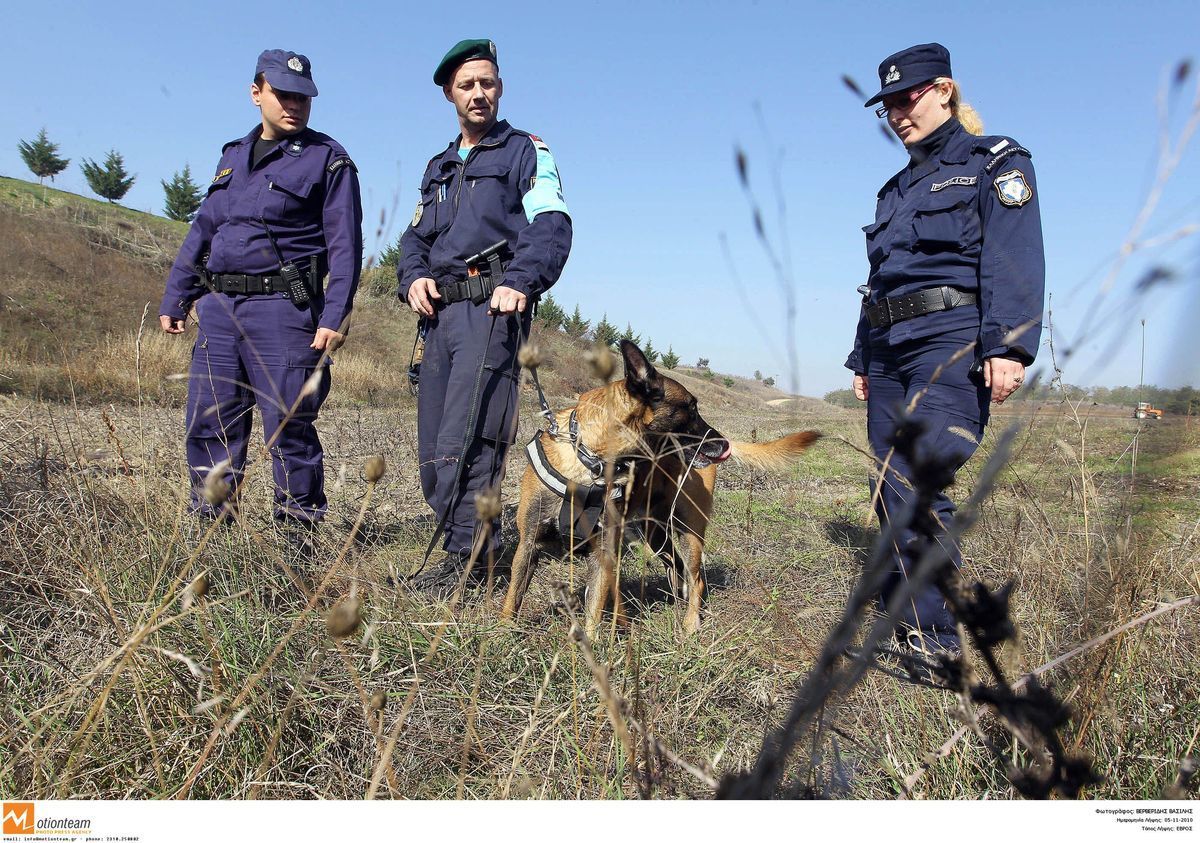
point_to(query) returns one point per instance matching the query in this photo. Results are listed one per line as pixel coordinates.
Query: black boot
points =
(441, 577)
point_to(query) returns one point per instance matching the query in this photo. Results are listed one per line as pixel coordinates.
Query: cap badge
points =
(492, 48)
(296, 65)
(893, 75)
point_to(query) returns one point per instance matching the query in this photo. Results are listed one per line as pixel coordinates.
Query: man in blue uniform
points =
(956, 259)
(492, 183)
(282, 211)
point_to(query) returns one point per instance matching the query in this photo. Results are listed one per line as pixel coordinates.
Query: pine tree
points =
(575, 325)
(605, 332)
(41, 157)
(392, 254)
(111, 181)
(636, 339)
(757, 375)
(550, 314)
(183, 196)
(651, 354)
(670, 359)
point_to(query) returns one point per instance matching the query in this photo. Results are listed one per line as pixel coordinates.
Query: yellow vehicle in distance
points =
(1146, 410)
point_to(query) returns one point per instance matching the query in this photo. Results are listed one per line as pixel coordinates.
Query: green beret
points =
(462, 52)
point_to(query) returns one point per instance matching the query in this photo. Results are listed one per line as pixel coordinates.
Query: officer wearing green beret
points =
(493, 183)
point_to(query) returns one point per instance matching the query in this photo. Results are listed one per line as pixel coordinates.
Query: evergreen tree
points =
(111, 181)
(702, 363)
(757, 375)
(670, 359)
(768, 381)
(636, 339)
(41, 157)
(183, 196)
(575, 325)
(392, 254)
(649, 351)
(728, 381)
(550, 314)
(605, 332)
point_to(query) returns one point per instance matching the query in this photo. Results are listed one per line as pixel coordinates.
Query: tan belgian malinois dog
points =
(646, 433)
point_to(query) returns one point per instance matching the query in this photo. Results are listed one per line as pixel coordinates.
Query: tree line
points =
(111, 180)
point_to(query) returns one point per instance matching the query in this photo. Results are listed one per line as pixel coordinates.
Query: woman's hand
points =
(861, 389)
(1004, 376)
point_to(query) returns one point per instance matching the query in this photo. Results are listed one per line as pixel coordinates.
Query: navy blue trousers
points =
(461, 338)
(254, 350)
(954, 411)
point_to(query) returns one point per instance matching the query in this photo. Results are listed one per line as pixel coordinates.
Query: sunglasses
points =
(902, 101)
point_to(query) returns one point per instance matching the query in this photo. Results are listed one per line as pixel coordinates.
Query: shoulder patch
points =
(1005, 153)
(338, 163)
(223, 174)
(1012, 188)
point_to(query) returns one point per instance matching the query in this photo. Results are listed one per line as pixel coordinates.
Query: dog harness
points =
(582, 504)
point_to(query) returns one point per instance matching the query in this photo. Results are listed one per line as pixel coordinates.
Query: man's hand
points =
(1004, 376)
(506, 300)
(861, 387)
(327, 340)
(420, 293)
(171, 325)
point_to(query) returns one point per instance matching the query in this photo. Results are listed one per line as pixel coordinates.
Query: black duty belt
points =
(474, 288)
(887, 312)
(248, 284)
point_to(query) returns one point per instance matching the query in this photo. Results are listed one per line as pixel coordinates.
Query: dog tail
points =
(777, 454)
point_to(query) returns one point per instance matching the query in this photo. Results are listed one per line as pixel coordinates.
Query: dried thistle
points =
(378, 700)
(601, 361)
(216, 489)
(195, 591)
(530, 355)
(374, 467)
(344, 618)
(487, 504)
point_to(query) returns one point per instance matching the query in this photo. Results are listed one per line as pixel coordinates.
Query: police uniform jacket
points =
(508, 188)
(965, 217)
(306, 189)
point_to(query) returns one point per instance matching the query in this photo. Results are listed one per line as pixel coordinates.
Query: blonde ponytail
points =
(965, 112)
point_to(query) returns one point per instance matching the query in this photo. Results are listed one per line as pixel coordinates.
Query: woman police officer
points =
(955, 259)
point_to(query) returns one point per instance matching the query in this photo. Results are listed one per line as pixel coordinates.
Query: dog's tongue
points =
(724, 454)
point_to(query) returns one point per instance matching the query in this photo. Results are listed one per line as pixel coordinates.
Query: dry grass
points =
(101, 652)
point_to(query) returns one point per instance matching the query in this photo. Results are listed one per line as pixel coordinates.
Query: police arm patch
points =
(337, 164)
(1013, 189)
(417, 214)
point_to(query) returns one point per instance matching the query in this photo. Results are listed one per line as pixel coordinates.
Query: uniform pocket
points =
(942, 222)
(286, 195)
(487, 185)
(434, 215)
(876, 234)
(499, 407)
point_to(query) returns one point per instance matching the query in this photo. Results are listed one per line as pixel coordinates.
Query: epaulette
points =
(998, 149)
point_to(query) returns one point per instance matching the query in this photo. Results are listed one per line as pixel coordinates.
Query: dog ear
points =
(642, 380)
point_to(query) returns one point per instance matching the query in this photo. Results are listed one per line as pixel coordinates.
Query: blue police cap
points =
(287, 71)
(461, 53)
(909, 68)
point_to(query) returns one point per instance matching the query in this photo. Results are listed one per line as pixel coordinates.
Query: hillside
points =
(80, 276)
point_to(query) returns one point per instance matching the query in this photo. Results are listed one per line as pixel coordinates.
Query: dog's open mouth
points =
(711, 451)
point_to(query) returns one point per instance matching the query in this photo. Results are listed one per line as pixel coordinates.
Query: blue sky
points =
(643, 105)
